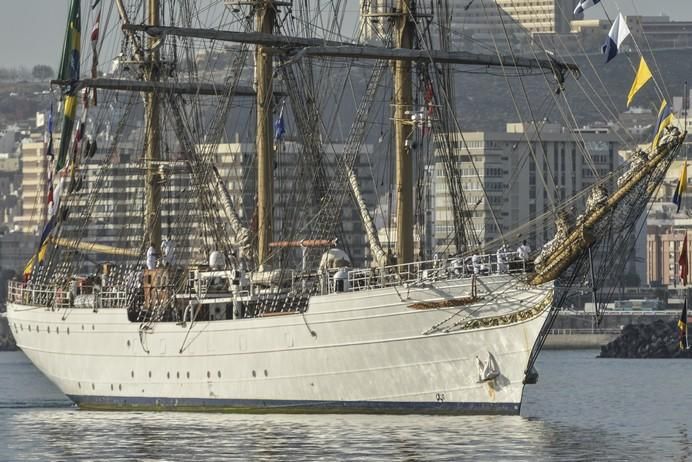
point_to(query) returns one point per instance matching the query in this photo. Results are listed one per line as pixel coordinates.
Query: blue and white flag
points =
(618, 33)
(585, 4)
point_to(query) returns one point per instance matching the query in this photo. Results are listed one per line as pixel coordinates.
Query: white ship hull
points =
(367, 351)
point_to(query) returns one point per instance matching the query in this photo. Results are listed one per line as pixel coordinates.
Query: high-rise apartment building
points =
(520, 174)
(112, 200)
(10, 180)
(109, 206)
(480, 24)
(236, 166)
(34, 168)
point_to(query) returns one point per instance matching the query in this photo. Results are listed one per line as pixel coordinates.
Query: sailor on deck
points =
(168, 251)
(152, 257)
(502, 259)
(523, 252)
(476, 263)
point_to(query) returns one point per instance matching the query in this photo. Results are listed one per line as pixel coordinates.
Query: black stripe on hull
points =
(252, 406)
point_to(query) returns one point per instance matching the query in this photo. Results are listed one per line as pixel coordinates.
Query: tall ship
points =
(243, 291)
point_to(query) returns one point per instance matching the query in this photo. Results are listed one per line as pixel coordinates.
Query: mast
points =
(152, 221)
(263, 73)
(403, 100)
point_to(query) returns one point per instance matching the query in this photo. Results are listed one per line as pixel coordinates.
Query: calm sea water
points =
(582, 408)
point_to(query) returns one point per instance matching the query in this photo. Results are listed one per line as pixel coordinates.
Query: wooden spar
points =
(403, 104)
(93, 247)
(182, 88)
(260, 37)
(282, 44)
(152, 219)
(304, 243)
(263, 75)
(436, 56)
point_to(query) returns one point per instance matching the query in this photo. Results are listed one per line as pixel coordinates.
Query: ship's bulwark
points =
(370, 352)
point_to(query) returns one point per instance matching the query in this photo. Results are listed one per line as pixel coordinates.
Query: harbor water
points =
(582, 408)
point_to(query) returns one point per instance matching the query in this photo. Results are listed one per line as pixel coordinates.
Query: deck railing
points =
(609, 331)
(59, 297)
(430, 271)
(438, 269)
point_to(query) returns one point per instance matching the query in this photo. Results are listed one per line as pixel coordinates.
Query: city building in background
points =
(235, 162)
(34, 168)
(487, 24)
(113, 196)
(482, 25)
(586, 35)
(520, 173)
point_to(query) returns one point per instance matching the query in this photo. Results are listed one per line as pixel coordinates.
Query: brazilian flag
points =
(69, 72)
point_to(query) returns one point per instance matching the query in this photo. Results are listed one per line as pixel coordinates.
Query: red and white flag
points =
(682, 261)
(95, 29)
(95, 53)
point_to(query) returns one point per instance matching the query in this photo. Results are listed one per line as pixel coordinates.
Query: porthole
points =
(93, 387)
(187, 374)
(132, 374)
(168, 375)
(29, 327)
(37, 329)
(254, 374)
(218, 374)
(68, 331)
(120, 387)
(149, 374)
(82, 326)
(111, 387)
(128, 344)
(93, 327)
(177, 375)
(79, 384)
(57, 330)
(208, 374)
(266, 374)
(48, 329)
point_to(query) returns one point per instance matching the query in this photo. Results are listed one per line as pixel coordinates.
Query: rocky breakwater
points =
(6, 338)
(660, 339)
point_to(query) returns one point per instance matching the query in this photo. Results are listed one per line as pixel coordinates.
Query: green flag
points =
(69, 71)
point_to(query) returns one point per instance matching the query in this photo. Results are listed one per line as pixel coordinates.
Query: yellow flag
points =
(681, 188)
(41, 255)
(665, 118)
(643, 76)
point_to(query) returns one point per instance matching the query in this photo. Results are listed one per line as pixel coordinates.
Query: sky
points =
(31, 31)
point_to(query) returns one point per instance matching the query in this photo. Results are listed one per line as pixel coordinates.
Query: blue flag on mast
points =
(279, 127)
